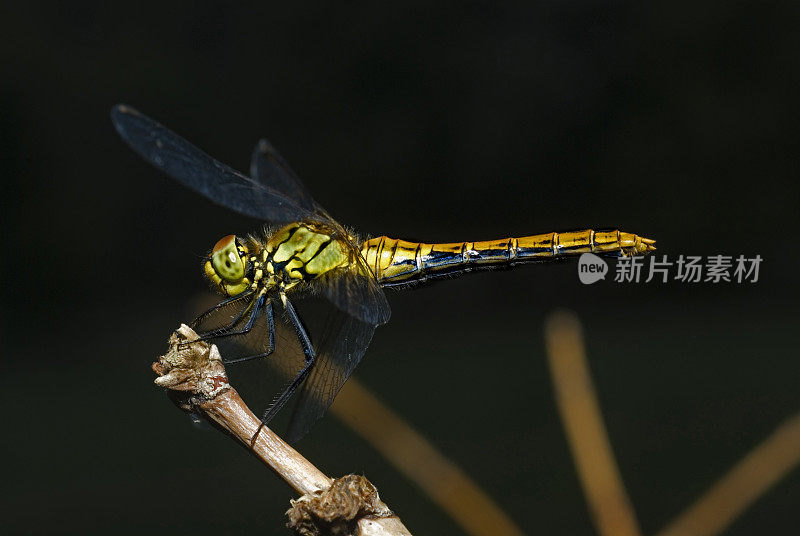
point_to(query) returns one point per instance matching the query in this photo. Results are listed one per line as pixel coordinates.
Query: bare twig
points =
(746, 481)
(195, 377)
(602, 484)
(443, 481)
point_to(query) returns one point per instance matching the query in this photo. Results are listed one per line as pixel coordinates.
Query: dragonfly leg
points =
(253, 308)
(302, 334)
(221, 304)
(310, 358)
(270, 342)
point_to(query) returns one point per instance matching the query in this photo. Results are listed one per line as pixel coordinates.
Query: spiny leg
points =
(253, 308)
(305, 341)
(270, 341)
(225, 330)
(221, 304)
(310, 359)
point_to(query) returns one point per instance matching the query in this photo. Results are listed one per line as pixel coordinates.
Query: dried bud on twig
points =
(336, 510)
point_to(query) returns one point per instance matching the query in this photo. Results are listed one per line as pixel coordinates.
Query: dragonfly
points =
(302, 251)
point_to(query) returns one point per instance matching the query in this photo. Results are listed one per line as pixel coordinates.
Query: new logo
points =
(591, 268)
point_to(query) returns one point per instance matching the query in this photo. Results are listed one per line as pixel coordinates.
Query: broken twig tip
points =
(191, 365)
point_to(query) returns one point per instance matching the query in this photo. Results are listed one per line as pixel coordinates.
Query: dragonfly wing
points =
(340, 344)
(267, 167)
(344, 341)
(358, 294)
(261, 381)
(361, 306)
(195, 169)
(339, 347)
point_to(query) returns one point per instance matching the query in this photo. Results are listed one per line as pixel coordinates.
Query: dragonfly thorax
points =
(300, 252)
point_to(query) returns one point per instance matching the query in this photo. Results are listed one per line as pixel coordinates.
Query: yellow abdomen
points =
(398, 262)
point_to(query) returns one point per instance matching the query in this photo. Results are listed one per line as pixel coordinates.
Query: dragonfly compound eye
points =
(226, 268)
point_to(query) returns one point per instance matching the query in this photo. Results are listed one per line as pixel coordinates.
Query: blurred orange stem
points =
(750, 478)
(609, 504)
(444, 482)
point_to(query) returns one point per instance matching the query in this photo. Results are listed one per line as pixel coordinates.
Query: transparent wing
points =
(361, 306)
(260, 381)
(195, 169)
(343, 343)
(339, 341)
(268, 168)
(355, 291)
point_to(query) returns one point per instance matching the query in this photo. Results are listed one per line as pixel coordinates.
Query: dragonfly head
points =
(226, 266)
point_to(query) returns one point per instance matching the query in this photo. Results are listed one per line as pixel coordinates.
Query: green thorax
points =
(303, 251)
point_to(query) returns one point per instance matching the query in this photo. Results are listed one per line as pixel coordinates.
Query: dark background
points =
(677, 121)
